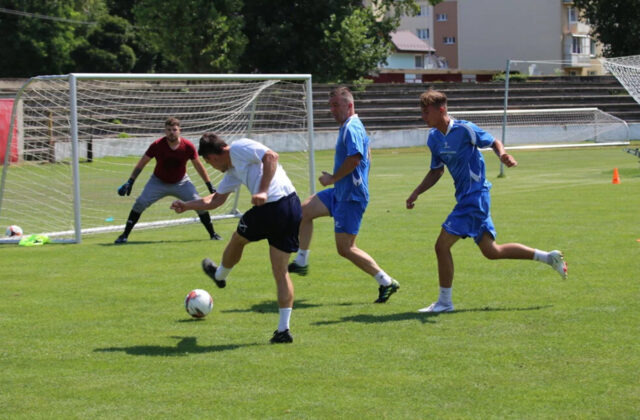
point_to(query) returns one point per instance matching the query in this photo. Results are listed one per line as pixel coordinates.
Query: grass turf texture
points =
(99, 331)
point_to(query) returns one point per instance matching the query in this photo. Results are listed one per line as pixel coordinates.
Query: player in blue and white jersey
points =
(347, 200)
(275, 215)
(455, 144)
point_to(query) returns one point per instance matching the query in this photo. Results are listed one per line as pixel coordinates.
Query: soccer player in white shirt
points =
(275, 215)
(455, 144)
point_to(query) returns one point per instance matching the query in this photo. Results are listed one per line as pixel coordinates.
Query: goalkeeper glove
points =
(211, 188)
(125, 189)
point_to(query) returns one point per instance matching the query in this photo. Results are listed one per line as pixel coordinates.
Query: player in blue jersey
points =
(455, 144)
(347, 200)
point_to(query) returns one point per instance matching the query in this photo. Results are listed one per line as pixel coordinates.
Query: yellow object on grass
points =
(33, 240)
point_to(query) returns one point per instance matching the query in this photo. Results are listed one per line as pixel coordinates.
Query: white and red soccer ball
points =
(13, 231)
(198, 303)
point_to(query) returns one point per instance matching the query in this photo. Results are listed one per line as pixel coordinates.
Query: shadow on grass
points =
(422, 317)
(158, 242)
(186, 346)
(271, 306)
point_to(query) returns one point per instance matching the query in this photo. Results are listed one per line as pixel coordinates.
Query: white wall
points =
(510, 29)
(326, 140)
(401, 61)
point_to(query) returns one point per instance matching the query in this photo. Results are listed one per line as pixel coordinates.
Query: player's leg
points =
(312, 208)
(347, 248)
(230, 257)
(444, 257)
(279, 262)
(153, 191)
(186, 191)
(493, 251)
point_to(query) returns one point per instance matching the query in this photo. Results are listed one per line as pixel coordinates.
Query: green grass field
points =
(99, 331)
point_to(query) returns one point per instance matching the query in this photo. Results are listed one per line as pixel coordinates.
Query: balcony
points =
(578, 60)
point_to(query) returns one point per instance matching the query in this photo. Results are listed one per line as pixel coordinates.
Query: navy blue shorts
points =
(277, 222)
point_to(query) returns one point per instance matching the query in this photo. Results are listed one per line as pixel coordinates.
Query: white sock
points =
(382, 278)
(285, 314)
(541, 256)
(222, 272)
(302, 259)
(445, 295)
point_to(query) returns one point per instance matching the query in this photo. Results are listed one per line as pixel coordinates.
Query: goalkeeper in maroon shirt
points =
(169, 177)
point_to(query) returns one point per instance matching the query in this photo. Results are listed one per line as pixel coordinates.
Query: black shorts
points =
(278, 222)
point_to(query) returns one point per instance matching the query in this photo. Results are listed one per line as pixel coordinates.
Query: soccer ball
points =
(13, 230)
(198, 303)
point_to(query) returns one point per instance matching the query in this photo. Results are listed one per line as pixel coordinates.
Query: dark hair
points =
(433, 97)
(171, 121)
(211, 143)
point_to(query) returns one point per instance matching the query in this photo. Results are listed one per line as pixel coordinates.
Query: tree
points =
(33, 45)
(615, 24)
(106, 48)
(335, 40)
(194, 36)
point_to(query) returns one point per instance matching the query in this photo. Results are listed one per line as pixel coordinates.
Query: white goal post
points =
(80, 135)
(569, 127)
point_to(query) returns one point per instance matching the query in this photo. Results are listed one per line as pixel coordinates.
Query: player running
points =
(169, 177)
(275, 215)
(347, 201)
(455, 144)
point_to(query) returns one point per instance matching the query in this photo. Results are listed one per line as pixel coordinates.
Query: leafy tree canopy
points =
(615, 24)
(193, 35)
(335, 40)
(106, 48)
(34, 46)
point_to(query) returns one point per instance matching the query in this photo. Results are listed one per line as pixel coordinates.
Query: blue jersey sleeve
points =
(482, 139)
(436, 161)
(354, 142)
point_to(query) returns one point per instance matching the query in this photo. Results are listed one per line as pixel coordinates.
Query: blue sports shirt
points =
(352, 139)
(458, 150)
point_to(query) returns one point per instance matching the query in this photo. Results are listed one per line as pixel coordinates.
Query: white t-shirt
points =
(246, 168)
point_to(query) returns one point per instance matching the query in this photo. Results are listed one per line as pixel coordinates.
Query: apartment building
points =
(481, 35)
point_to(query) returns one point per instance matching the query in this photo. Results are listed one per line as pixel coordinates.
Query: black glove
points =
(125, 189)
(211, 187)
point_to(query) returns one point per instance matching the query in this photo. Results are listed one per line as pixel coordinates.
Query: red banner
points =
(6, 106)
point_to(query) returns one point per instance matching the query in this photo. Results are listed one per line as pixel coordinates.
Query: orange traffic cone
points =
(616, 176)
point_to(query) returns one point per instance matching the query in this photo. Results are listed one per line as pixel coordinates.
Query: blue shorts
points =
(277, 222)
(471, 217)
(347, 215)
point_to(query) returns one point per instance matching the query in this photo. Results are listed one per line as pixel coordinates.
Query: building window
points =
(419, 61)
(573, 15)
(441, 17)
(423, 33)
(592, 47)
(576, 45)
(424, 10)
(449, 40)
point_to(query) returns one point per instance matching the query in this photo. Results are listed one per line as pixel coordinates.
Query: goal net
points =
(627, 71)
(554, 126)
(522, 121)
(79, 136)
